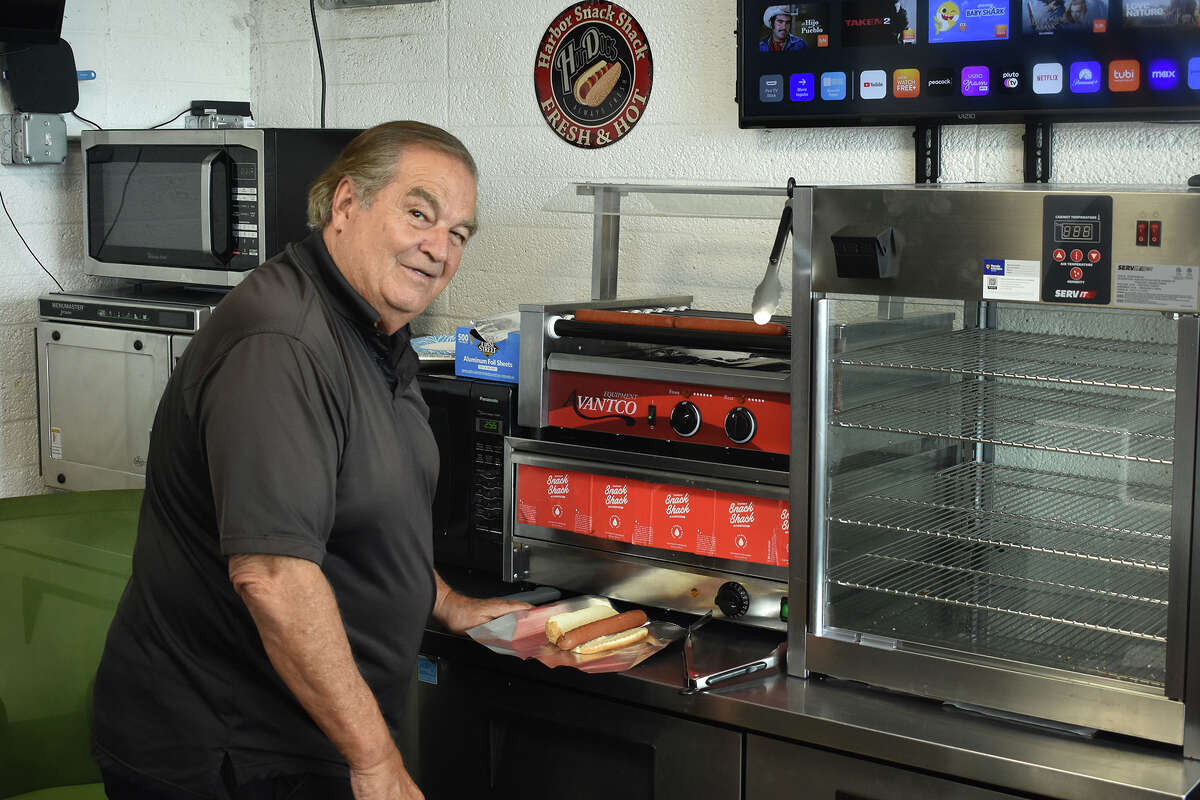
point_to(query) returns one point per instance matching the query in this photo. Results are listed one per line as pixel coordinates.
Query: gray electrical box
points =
(33, 139)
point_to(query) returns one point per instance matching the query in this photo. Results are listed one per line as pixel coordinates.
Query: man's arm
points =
(459, 613)
(297, 617)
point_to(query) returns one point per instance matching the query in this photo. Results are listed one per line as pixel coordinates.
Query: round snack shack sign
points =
(593, 74)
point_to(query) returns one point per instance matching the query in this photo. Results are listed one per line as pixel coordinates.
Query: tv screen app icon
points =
(1163, 75)
(1124, 75)
(939, 81)
(1012, 79)
(1047, 78)
(833, 86)
(1086, 77)
(770, 88)
(906, 83)
(1194, 73)
(976, 81)
(872, 84)
(802, 87)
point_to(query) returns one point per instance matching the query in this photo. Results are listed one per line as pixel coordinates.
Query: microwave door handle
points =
(206, 216)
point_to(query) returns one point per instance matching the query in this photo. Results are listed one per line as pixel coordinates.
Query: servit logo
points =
(1124, 76)
(1163, 75)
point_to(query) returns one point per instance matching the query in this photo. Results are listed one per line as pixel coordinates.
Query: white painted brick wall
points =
(152, 59)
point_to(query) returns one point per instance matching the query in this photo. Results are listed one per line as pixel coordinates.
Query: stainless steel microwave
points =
(197, 206)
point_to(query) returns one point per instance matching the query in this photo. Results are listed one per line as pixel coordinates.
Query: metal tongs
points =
(766, 296)
(698, 682)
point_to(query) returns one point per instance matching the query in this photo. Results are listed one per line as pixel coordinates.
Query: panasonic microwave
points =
(198, 206)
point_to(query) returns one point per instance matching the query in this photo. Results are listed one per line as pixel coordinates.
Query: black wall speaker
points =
(42, 78)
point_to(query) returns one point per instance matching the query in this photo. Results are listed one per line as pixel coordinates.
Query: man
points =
(283, 569)
(778, 21)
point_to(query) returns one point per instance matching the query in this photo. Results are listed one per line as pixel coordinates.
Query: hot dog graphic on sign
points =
(592, 74)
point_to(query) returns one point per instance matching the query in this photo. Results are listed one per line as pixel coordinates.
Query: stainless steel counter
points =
(859, 721)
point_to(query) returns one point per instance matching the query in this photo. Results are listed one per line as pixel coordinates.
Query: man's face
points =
(401, 251)
(782, 26)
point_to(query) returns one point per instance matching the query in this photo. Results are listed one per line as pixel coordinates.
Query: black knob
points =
(733, 599)
(685, 419)
(740, 425)
(62, 478)
(55, 335)
(137, 344)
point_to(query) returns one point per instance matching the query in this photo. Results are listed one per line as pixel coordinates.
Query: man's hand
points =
(459, 613)
(387, 780)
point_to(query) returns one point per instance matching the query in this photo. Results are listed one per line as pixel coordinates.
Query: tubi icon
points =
(1124, 76)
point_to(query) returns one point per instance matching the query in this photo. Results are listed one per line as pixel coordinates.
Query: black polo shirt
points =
(291, 426)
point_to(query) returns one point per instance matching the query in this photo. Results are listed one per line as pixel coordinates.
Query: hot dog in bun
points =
(597, 82)
(593, 632)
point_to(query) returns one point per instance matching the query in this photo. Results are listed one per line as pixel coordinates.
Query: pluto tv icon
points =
(1012, 80)
(940, 82)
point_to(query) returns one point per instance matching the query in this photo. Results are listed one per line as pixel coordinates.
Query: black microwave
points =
(470, 419)
(198, 206)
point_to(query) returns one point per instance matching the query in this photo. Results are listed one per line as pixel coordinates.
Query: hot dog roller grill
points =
(658, 474)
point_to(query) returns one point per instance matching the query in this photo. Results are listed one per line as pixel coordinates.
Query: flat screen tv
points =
(893, 62)
(30, 21)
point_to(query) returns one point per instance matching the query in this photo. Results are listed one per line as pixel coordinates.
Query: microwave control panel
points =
(247, 242)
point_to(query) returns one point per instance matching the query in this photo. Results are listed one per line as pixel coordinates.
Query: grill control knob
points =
(733, 599)
(740, 425)
(685, 419)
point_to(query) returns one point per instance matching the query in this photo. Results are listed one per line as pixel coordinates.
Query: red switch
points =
(1142, 232)
(1155, 233)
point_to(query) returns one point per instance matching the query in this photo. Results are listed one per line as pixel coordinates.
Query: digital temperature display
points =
(1076, 232)
(484, 425)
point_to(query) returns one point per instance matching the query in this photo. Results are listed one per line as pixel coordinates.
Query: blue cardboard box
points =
(493, 361)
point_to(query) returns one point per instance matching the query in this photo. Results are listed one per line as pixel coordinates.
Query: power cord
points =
(27, 247)
(85, 119)
(153, 127)
(312, 11)
(172, 119)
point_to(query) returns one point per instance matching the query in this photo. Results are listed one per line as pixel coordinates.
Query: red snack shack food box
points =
(779, 545)
(621, 509)
(746, 527)
(682, 519)
(554, 498)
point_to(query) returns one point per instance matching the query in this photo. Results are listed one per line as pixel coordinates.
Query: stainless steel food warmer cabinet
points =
(1001, 490)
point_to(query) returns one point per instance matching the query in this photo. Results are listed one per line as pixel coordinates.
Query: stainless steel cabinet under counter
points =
(825, 739)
